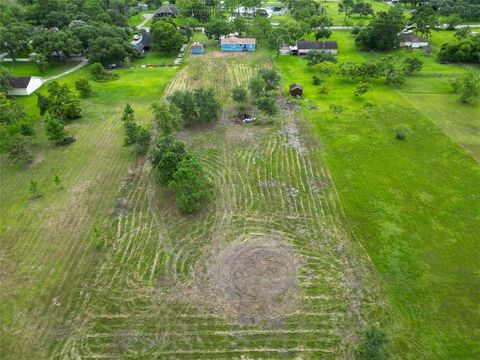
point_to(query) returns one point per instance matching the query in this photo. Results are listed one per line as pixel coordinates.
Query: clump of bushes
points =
(99, 73)
(373, 344)
(83, 87)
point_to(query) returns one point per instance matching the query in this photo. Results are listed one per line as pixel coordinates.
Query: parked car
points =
(136, 37)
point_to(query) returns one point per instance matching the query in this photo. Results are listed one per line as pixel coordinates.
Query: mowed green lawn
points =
(29, 69)
(46, 247)
(415, 204)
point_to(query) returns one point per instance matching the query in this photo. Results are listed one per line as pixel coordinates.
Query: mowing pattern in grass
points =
(151, 296)
(46, 251)
(220, 74)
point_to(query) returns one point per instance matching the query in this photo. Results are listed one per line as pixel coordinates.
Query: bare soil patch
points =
(221, 54)
(255, 280)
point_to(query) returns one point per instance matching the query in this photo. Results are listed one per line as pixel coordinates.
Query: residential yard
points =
(413, 204)
(30, 69)
(48, 255)
(138, 18)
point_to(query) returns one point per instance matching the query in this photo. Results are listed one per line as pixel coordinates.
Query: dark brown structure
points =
(296, 90)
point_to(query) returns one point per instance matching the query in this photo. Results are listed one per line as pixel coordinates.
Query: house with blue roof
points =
(235, 44)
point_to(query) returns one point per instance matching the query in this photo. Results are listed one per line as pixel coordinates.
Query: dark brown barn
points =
(296, 90)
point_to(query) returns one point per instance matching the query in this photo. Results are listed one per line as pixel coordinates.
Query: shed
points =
(328, 46)
(231, 44)
(296, 90)
(24, 85)
(412, 40)
(197, 48)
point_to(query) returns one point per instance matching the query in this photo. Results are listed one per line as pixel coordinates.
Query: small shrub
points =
(84, 88)
(373, 345)
(34, 189)
(401, 134)
(97, 238)
(316, 80)
(324, 89)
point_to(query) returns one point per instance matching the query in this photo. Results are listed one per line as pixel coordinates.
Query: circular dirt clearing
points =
(256, 279)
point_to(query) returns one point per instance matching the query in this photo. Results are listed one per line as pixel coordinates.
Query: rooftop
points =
(236, 40)
(412, 37)
(317, 45)
(20, 82)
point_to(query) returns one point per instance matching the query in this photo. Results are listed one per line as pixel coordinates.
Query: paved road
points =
(69, 71)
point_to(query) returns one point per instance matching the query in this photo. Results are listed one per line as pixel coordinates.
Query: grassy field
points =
(414, 205)
(148, 292)
(46, 247)
(152, 296)
(138, 18)
(29, 69)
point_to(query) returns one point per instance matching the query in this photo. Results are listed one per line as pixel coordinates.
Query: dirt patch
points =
(37, 160)
(293, 139)
(220, 54)
(255, 280)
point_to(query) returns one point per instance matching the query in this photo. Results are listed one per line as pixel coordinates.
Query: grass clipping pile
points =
(255, 280)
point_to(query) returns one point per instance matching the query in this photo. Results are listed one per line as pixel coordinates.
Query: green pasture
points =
(30, 69)
(413, 204)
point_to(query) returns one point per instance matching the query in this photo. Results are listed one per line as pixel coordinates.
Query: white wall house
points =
(25, 85)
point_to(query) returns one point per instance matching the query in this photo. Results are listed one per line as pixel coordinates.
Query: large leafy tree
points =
(14, 38)
(191, 185)
(108, 50)
(56, 44)
(346, 7)
(62, 104)
(218, 27)
(166, 37)
(5, 75)
(382, 31)
(425, 19)
(167, 116)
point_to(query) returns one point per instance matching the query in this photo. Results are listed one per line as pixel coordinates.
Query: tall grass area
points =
(46, 242)
(414, 204)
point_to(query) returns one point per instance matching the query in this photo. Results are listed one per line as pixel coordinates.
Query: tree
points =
(425, 19)
(271, 78)
(14, 38)
(278, 37)
(168, 164)
(5, 75)
(56, 45)
(34, 189)
(199, 106)
(346, 6)
(412, 65)
(463, 33)
(218, 27)
(323, 33)
(362, 8)
(19, 149)
(168, 117)
(83, 87)
(453, 20)
(268, 105)
(394, 76)
(166, 37)
(142, 140)
(11, 113)
(257, 86)
(191, 185)
(62, 102)
(468, 86)
(325, 68)
(57, 181)
(56, 133)
(99, 73)
(320, 21)
(42, 103)
(240, 25)
(382, 31)
(373, 345)
(261, 28)
(362, 88)
(206, 105)
(40, 61)
(239, 94)
(109, 50)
